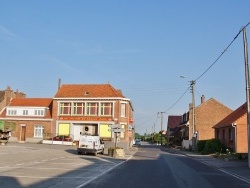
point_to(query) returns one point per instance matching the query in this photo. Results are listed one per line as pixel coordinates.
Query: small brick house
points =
(232, 130)
(29, 118)
(207, 114)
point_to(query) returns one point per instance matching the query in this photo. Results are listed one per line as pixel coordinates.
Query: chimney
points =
(8, 95)
(202, 99)
(59, 83)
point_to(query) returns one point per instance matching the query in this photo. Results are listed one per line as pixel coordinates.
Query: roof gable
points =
(174, 121)
(88, 91)
(211, 102)
(233, 117)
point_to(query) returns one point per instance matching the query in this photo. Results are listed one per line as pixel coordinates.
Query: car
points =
(137, 142)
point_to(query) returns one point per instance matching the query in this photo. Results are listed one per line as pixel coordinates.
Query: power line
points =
(210, 65)
(222, 52)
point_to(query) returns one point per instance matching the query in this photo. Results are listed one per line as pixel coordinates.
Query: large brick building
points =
(91, 109)
(207, 114)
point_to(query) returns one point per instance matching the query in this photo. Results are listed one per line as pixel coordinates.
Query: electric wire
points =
(222, 52)
(216, 60)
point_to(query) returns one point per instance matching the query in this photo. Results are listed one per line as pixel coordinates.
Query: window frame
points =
(65, 108)
(123, 109)
(92, 108)
(106, 109)
(39, 128)
(80, 108)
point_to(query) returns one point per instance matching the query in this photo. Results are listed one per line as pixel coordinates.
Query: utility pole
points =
(161, 125)
(193, 106)
(247, 90)
(194, 138)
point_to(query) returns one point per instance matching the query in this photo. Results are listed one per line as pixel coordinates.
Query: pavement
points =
(238, 168)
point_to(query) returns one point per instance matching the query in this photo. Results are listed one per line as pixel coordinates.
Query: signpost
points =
(116, 128)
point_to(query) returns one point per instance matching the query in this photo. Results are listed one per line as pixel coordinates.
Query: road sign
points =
(130, 127)
(115, 126)
(117, 130)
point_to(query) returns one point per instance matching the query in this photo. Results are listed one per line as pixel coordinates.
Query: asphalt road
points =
(49, 166)
(54, 166)
(152, 167)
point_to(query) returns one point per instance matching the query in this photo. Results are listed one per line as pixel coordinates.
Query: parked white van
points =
(90, 144)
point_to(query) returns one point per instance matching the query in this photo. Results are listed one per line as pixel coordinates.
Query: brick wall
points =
(29, 131)
(207, 115)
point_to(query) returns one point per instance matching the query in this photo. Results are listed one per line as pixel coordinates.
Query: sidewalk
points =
(238, 168)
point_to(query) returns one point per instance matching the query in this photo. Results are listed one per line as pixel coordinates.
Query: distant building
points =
(7, 95)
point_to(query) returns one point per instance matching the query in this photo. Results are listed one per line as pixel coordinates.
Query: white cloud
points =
(8, 33)
(56, 61)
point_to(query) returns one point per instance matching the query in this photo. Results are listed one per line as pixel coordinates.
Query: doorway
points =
(23, 132)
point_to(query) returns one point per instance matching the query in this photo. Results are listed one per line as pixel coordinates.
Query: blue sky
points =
(139, 46)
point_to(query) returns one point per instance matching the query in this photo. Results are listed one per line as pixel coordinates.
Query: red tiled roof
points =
(31, 102)
(34, 102)
(88, 91)
(233, 117)
(174, 121)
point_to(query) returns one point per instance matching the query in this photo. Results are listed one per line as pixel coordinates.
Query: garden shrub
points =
(212, 146)
(201, 145)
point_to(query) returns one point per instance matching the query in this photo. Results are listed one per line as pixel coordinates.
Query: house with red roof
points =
(93, 109)
(205, 116)
(232, 130)
(173, 127)
(28, 119)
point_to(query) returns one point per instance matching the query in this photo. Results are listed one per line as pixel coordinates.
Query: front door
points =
(23, 131)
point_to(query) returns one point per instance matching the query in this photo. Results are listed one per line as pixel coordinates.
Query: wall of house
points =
(207, 115)
(241, 136)
(223, 134)
(29, 133)
(125, 141)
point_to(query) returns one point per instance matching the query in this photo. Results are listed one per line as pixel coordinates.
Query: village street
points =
(40, 165)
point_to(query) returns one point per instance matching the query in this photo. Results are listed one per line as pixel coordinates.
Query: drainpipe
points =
(235, 139)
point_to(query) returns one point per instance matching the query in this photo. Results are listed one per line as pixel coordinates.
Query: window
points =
(38, 131)
(39, 112)
(78, 108)
(65, 108)
(218, 134)
(11, 112)
(25, 112)
(123, 110)
(106, 109)
(223, 135)
(230, 135)
(92, 109)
